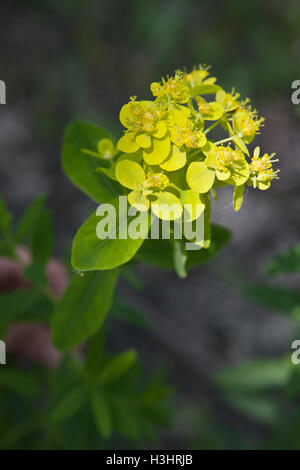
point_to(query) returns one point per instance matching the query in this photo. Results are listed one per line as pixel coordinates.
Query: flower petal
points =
(127, 143)
(158, 151)
(199, 177)
(263, 185)
(256, 152)
(239, 172)
(138, 200)
(125, 114)
(130, 174)
(193, 206)
(176, 160)
(143, 140)
(161, 129)
(167, 206)
(223, 175)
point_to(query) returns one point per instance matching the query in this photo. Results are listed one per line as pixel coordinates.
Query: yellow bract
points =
(192, 203)
(166, 206)
(130, 174)
(199, 177)
(175, 160)
(127, 143)
(157, 152)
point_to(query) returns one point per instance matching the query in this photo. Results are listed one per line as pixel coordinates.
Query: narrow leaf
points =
(117, 366)
(102, 414)
(70, 404)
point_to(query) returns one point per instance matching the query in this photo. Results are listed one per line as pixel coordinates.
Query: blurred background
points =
(64, 59)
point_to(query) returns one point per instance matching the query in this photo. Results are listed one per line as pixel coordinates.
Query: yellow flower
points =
(165, 155)
(229, 101)
(147, 129)
(197, 77)
(246, 123)
(232, 164)
(188, 136)
(223, 163)
(261, 170)
(172, 88)
(209, 111)
(132, 176)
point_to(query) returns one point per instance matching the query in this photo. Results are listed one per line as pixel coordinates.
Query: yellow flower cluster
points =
(166, 154)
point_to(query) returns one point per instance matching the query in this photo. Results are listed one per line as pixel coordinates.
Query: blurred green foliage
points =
(94, 399)
(264, 391)
(84, 59)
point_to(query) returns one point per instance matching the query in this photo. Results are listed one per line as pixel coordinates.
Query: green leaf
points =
(102, 413)
(126, 419)
(117, 367)
(42, 238)
(21, 383)
(238, 141)
(261, 409)
(255, 375)
(273, 297)
(286, 262)
(180, 258)
(160, 253)
(70, 404)
(132, 278)
(220, 236)
(238, 196)
(80, 167)
(29, 219)
(82, 309)
(91, 253)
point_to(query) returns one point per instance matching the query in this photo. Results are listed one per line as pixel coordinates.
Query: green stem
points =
(226, 140)
(211, 127)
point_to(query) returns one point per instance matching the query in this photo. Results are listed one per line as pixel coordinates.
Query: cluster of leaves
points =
(266, 391)
(93, 399)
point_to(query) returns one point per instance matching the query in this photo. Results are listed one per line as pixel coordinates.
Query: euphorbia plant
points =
(166, 158)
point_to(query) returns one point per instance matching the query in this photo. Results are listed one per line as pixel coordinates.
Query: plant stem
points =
(211, 127)
(226, 140)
